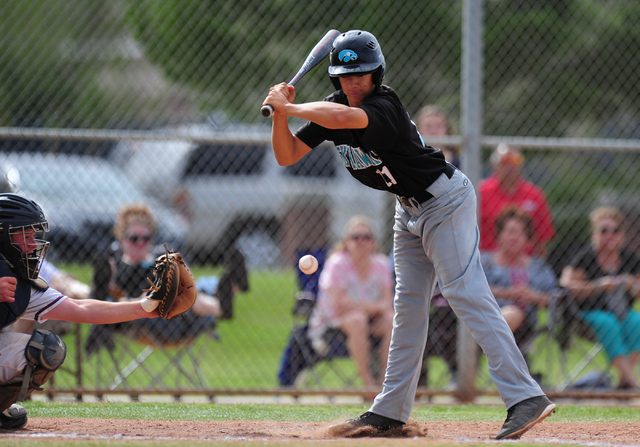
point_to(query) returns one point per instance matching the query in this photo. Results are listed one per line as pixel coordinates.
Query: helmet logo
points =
(347, 56)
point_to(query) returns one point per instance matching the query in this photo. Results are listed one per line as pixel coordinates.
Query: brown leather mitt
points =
(173, 285)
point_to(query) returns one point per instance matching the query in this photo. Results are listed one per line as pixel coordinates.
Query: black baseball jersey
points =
(389, 154)
(587, 261)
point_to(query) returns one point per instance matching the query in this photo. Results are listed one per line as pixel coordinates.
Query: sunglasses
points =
(361, 237)
(609, 230)
(138, 238)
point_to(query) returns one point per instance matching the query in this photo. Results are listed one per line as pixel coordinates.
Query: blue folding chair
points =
(299, 354)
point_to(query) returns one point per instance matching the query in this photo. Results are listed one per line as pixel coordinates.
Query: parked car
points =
(233, 192)
(80, 196)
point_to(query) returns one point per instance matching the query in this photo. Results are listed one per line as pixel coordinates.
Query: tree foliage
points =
(551, 67)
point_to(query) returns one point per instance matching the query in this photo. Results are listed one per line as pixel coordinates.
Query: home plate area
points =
(593, 434)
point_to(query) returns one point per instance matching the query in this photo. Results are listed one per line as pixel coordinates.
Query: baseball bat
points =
(318, 54)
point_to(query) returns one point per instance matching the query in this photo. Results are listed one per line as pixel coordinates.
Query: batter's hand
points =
(8, 289)
(279, 96)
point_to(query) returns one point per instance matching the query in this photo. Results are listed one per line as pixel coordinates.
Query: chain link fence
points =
(103, 104)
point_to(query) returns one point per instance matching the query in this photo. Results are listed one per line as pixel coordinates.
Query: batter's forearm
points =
(329, 114)
(282, 141)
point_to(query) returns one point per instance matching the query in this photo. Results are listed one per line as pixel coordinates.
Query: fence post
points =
(471, 126)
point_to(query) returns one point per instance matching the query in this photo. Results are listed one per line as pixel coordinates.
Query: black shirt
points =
(586, 261)
(389, 154)
(129, 279)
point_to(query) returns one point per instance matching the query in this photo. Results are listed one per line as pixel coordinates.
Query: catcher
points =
(29, 361)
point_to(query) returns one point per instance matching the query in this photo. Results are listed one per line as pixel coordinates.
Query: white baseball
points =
(308, 264)
(149, 305)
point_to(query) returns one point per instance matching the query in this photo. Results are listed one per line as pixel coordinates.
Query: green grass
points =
(248, 355)
(308, 413)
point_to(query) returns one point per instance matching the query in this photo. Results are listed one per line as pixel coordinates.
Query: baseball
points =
(308, 264)
(149, 305)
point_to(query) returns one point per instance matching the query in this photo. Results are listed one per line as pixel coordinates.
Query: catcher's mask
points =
(356, 53)
(22, 222)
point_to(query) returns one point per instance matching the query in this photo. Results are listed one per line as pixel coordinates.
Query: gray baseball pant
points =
(438, 240)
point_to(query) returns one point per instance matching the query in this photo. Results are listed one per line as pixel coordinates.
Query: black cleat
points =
(524, 415)
(13, 417)
(366, 424)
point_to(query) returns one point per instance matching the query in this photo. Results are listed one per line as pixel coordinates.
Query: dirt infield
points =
(438, 432)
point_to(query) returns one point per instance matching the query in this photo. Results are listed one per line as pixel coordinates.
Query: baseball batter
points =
(435, 232)
(29, 361)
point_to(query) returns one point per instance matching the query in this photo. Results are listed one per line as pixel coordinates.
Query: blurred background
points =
(108, 103)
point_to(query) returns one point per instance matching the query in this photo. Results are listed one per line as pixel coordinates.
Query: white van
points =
(233, 192)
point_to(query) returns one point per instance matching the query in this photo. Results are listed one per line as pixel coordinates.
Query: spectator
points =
(356, 297)
(521, 283)
(64, 282)
(433, 121)
(29, 361)
(121, 274)
(604, 278)
(507, 187)
(443, 324)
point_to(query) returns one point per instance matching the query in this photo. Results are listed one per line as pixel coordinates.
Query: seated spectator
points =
(441, 342)
(356, 297)
(433, 121)
(520, 282)
(121, 274)
(604, 279)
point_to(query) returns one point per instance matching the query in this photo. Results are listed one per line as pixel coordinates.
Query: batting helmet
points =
(18, 214)
(356, 53)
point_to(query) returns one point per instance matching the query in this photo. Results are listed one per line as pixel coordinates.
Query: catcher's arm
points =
(97, 312)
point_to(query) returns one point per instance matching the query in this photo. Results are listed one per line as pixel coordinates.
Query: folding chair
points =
(575, 335)
(566, 350)
(299, 355)
(175, 340)
(179, 345)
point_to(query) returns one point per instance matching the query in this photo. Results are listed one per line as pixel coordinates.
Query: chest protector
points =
(10, 312)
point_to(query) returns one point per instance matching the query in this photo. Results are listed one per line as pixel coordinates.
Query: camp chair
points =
(580, 354)
(176, 340)
(299, 355)
(564, 353)
(178, 345)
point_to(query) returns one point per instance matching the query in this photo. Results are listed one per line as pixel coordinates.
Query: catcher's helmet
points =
(356, 53)
(19, 214)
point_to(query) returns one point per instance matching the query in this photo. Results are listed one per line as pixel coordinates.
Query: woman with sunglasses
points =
(121, 274)
(604, 279)
(355, 297)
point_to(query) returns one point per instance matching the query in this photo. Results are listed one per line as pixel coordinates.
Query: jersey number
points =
(386, 176)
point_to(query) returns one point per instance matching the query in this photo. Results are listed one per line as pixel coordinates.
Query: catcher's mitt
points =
(173, 290)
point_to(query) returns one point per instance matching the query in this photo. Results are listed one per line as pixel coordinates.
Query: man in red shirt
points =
(507, 187)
